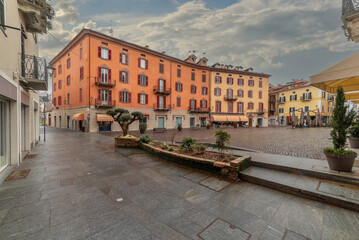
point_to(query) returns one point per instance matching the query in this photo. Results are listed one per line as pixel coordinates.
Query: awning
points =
(233, 118)
(103, 118)
(78, 117)
(243, 119)
(225, 118)
(344, 74)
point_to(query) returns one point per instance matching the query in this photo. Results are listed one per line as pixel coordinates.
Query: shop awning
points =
(344, 74)
(218, 118)
(233, 119)
(78, 117)
(103, 118)
(243, 119)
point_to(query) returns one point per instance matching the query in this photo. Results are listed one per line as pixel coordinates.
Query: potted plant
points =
(208, 126)
(338, 158)
(143, 127)
(354, 135)
(179, 127)
(257, 126)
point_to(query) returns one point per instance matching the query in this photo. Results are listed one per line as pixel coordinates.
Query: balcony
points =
(161, 107)
(36, 13)
(307, 98)
(331, 99)
(230, 98)
(105, 104)
(261, 111)
(350, 18)
(161, 90)
(198, 110)
(34, 72)
(109, 83)
(281, 101)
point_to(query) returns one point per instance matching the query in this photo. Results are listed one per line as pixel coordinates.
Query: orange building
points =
(96, 72)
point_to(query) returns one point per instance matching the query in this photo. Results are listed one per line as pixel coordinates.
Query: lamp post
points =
(44, 124)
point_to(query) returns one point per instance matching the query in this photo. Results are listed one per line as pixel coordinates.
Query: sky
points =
(288, 39)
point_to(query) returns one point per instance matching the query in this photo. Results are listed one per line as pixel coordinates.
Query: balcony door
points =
(161, 102)
(161, 85)
(104, 97)
(193, 104)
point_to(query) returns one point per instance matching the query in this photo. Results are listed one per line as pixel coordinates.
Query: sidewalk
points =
(80, 187)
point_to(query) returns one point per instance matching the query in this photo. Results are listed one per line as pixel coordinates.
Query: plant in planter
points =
(179, 127)
(338, 158)
(124, 118)
(222, 138)
(208, 126)
(354, 135)
(143, 127)
(145, 139)
(187, 144)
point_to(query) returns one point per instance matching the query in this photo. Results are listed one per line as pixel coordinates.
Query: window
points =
(261, 95)
(53, 71)
(230, 81)
(60, 69)
(125, 97)
(251, 83)
(124, 77)
(306, 109)
(292, 109)
(307, 96)
(179, 72)
(218, 106)
(260, 107)
(142, 80)
(217, 92)
(323, 95)
(162, 68)
(240, 93)
(59, 100)
(124, 58)
(60, 84)
(204, 78)
(282, 99)
(240, 82)
(68, 63)
(2, 12)
(142, 98)
(230, 93)
(80, 95)
(142, 63)
(281, 110)
(179, 87)
(178, 101)
(193, 76)
(104, 75)
(260, 83)
(193, 89)
(218, 79)
(68, 80)
(68, 98)
(104, 53)
(81, 73)
(250, 94)
(54, 87)
(54, 101)
(81, 54)
(250, 106)
(204, 91)
(293, 97)
(192, 103)
(204, 103)
(240, 107)
(230, 107)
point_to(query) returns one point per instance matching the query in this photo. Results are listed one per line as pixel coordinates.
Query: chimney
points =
(147, 46)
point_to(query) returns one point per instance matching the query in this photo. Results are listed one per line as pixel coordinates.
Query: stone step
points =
(320, 172)
(334, 193)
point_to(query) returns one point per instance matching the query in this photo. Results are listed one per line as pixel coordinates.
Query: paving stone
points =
(214, 183)
(196, 176)
(222, 230)
(294, 236)
(273, 232)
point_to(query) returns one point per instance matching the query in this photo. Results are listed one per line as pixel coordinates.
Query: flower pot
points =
(142, 131)
(340, 162)
(354, 142)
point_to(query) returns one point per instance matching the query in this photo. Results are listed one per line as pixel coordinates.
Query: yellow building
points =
(239, 96)
(300, 95)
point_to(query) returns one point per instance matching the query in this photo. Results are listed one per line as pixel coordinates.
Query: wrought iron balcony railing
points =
(109, 83)
(260, 110)
(161, 107)
(230, 98)
(307, 98)
(198, 110)
(105, 104)
(161, 90)
(34, 72)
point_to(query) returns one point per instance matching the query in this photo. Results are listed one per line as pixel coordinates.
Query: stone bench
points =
(159, 130)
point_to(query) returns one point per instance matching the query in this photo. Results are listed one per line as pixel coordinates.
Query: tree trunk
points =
(124, 130)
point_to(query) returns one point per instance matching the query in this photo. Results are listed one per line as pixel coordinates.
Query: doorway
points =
(4, 134)
(203, 122)
(192, 122)
(250, 122)
(68, 121)
(161, 122)
(259, 121)
(178, 121)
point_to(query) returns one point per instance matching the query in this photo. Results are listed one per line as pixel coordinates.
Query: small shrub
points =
(222, 138)
(354, 130)
(182, 149)
(187, 143)
(179, 127)
(164, 146)
(338, 151)
(199, 147)
(145, 139)
(171, 149)
(143, 127)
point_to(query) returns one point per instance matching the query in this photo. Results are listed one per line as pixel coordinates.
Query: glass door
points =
(161, 102)
(161, 122)
(4, 134)
(104, 97)
(161, 86)
(178, 121)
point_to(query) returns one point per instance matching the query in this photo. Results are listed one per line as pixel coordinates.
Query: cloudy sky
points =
(285, 38)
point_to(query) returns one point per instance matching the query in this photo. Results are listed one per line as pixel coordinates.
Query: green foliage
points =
(171, 149)
(338, 151)
(222, 138)
(179, 127)
(341, 121)
(354, 130)
(187, 143)
(124, 118)
(164, 146)
(199, 147)
(145, 139)
(143, 127)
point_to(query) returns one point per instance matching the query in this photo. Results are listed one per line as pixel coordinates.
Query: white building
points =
(22, 75)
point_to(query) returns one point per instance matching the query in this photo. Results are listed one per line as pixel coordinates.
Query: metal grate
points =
(19, 174)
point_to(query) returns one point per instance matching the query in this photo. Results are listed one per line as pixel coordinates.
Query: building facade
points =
(299, 95)
(96, 72)
(22, 74)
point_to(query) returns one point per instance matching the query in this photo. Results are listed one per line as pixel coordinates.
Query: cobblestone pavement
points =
(304, 142)
(81, 187)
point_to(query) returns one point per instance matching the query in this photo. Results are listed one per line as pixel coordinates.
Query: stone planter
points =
(340, 162)
(127, 142)
(354, 142)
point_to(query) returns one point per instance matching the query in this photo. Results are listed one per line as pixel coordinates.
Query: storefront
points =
(4, 134)
(104, 122)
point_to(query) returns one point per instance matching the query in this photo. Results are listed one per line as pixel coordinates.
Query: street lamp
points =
(44, 123)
